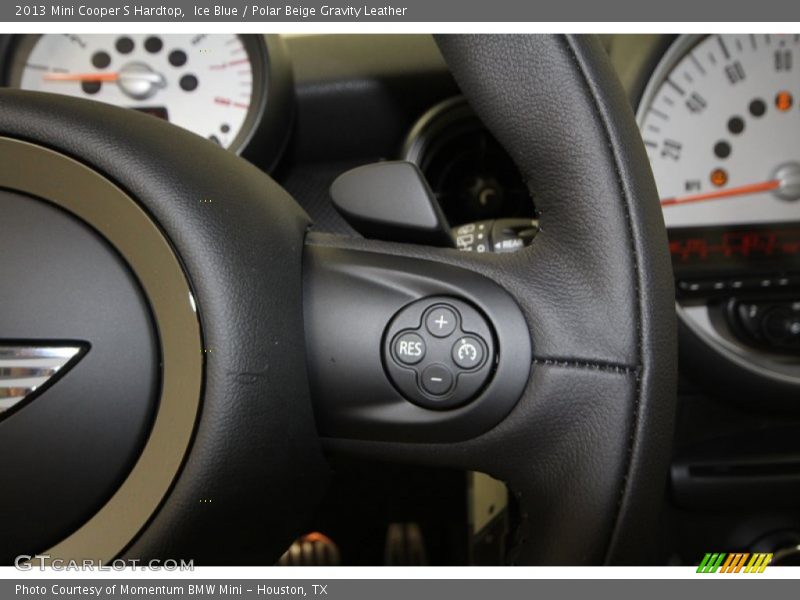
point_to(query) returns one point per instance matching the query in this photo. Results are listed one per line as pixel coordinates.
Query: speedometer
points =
(721, 123)
(212, 85)
(720, 119)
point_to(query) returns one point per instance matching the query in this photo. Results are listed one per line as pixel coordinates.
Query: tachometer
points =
(212, 85)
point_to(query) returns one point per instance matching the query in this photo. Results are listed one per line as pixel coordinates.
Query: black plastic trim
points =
(350, 297)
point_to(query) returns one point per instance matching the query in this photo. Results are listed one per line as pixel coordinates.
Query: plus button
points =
(441, 321)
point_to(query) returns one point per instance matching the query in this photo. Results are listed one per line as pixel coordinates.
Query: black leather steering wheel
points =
(584, 446)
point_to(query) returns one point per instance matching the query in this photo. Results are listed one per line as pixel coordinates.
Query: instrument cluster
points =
(720, 119)
(224, 87)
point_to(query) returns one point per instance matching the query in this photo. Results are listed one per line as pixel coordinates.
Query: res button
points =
(409, 348)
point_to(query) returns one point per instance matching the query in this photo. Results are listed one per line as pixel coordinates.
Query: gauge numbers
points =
(720, 121)
(203, 83)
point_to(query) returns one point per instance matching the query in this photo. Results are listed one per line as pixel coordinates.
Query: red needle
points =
(753, 188)
(81, 77)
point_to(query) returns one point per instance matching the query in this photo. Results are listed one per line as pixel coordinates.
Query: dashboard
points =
(719, 117)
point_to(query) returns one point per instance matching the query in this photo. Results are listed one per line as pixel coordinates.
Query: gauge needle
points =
(136, 80)
(81, 77)
(742, 190)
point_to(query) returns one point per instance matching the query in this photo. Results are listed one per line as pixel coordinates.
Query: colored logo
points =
(740, 562)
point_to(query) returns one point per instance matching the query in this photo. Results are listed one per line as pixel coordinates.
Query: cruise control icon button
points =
(437, 380)
(409, 348)
(441, 321)
(468, 352)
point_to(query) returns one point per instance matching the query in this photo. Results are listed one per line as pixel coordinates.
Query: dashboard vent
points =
(471, 174)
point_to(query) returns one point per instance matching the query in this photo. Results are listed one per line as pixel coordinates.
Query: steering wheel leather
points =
(599, 296)
(586, 447)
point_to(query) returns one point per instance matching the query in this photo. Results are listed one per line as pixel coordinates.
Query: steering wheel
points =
(213, 346)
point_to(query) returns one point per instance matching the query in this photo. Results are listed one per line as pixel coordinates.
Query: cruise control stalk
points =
(391, 201)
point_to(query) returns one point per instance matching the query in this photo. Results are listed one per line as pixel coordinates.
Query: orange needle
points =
(81, 77)
(753, 188)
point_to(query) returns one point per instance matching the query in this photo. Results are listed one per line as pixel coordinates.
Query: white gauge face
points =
(721, 123)
(203, 83)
